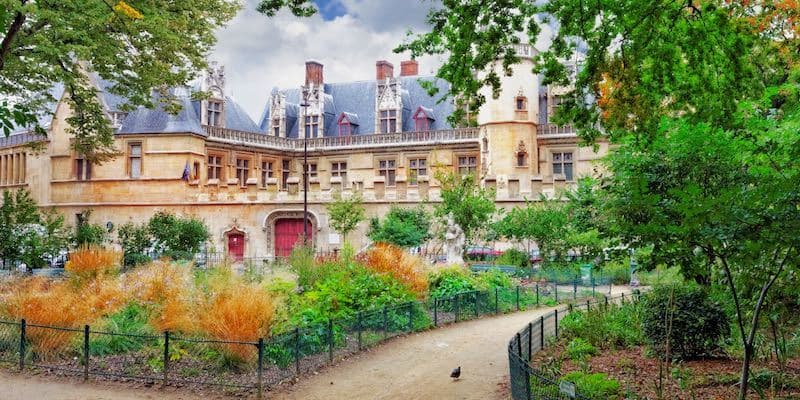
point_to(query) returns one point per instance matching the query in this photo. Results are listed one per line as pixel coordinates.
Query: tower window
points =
(389, 121)
(522, 103)
(214, 113)
(83, 169)
(276, 126)
(312, 126)
(135, 160)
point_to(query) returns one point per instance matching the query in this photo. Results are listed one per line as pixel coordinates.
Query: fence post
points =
(260, 368)
(85, 353)
(623, 298)
(519, 346)
(496, 301)
(593, 286)
(385, 322)
(537, 293)
(458, 306)
(477, 303)
(435, 312)
(570, 308)
(359, 330)
(575, 289)
(410, 316)
(588, 307)
(606, 297)
(530, 340)
(555, 290)
(297, 351)
(541, 332)
(330, 340)
(22, 326)
(556, 323)
(166, 358)
(517, 298)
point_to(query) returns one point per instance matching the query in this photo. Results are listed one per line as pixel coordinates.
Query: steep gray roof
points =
(45, 118)
(358, 99)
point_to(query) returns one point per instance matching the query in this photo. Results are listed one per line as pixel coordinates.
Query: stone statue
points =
(454, 240)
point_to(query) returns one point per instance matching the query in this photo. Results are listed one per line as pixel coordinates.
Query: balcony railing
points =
(449, 136)
(551, 130)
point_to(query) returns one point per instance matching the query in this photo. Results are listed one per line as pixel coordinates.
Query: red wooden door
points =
(236, 246)
(289, 233)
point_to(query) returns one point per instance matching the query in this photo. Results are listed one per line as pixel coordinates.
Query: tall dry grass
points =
(90, 262)
(167, 290)
(239, 311)
(396, 262)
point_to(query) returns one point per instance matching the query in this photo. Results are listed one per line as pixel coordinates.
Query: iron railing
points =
(174, 359)
(530, 383)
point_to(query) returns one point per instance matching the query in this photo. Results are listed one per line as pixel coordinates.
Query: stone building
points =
(381, 137)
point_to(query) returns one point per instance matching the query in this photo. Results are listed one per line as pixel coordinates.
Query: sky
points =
(346, 36)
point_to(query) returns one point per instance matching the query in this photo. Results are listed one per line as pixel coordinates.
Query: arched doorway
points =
(289, 233)
(236, 242)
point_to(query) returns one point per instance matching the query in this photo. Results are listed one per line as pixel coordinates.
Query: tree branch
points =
(13, 30)
(727, 269)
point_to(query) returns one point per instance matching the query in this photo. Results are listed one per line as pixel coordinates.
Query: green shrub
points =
(517, 258)
(686, 318)
(558, 272)
(131, 320)
(580, 350)
(595, 386)
(617, 273)
(491, 279)
(449, 281)
(87, 233)
(302, 262)
(661, 276)
(618, 327)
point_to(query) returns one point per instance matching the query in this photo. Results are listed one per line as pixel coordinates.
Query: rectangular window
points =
(285, 174)
(242, 171)
(312, 170)
(214, 113)
(562, 165)
(276, 126)
(215, 167)
(389, 121)
(416, 168)
(387, 169)
(344, 129)
(267, 172)
(422, 124)
(135, 160)
(340, 169)
(83, 169)
(312, 126)
(196, 170)
(467, 165)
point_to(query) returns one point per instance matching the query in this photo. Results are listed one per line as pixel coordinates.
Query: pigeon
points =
(456, 373)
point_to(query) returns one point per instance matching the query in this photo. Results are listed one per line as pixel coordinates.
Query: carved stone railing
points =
(449, 136)
(20, 139)
(553, 130)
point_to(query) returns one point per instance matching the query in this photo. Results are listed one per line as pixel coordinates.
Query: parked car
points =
(482, 253)
(536, 257)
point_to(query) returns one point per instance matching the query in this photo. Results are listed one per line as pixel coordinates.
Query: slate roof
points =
(358, 99)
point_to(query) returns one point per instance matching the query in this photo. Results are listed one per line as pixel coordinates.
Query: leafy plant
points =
(406, 268)
(450, 281)
(685, 319)
(303, 263)
(595, 386)
(517, 258)
(579, 349)
(618, 326)
(404, 227)
(131, 322)
(345, 214)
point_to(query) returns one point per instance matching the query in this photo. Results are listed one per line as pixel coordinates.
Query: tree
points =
(177, 237)
(472, 206)
(139, 46)
(87, 233)
(544, 222)
(136, 242)
(345, 214)
(403, 227)
(27, 234)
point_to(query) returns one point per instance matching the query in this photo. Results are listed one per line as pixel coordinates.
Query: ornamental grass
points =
(239, 312)
(89, 262)
(167, 291)
(396, 262)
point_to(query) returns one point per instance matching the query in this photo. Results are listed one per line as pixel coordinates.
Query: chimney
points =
(409, 68)
(383, 70)
(313, 73)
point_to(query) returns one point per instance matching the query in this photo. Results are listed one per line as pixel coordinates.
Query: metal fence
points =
(526, 381)
(174, 359)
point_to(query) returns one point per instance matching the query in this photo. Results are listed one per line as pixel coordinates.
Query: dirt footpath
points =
(414, 367)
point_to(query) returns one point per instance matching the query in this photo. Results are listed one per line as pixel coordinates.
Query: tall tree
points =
(139, 46)
(345, 214)
(472, 205)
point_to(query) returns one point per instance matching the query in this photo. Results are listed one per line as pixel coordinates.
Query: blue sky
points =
(330, 9)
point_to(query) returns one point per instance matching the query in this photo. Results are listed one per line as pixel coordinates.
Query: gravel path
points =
(413, 367)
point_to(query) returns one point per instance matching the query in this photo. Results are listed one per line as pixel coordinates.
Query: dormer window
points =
(117, 118)
(423, 119)
(388, 121)
(312, 126)
(348, 124)
(276, 126)
(214, 113)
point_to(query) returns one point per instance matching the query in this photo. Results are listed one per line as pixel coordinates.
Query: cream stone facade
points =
(245, 180)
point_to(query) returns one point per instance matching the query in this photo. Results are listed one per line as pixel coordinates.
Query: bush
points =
(167, 291)
(388, 259)
(595, 386)
(132, 321)
(449, 281)
(617, 273)
(491, 279)
(619, 326)
(517, 258)
(90, 234)
(306, 267)
(580, 350)
(685, 318)
(403, 227)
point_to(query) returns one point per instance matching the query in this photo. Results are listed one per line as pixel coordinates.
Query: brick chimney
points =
(383, 70)
(409, 68)
(314, 73)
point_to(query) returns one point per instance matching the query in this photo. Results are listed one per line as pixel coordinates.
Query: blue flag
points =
(185, 176)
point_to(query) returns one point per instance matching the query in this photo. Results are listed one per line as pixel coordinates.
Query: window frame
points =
(311, 126)
(220, 176)
(388, 122)
(132, 157)
(214, 113)
(470, 168)
(338, 171)
(83, 168)
(243, 169)
(413, 171)
(269, 172)
(389, 173)
(562, 162)
(286, 170)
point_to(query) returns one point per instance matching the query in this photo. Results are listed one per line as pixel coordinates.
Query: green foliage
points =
(140, 47)
(131, 320)
(345, 214)
(28, 234)
(579, 349)
(176, 236)
(684, 320)
(493, 279)
(617, 327)
(545, 222)
(595, 386)
(617, 272)
(471, 205)
(661, 276)
(87, 233)
(403, 227)
(302, 262)
(517, 258)
(135, 241)
(449, 281)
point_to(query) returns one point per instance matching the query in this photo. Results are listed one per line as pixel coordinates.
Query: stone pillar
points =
(379, 186)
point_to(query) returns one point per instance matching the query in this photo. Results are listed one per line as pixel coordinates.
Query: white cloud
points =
(260, 53)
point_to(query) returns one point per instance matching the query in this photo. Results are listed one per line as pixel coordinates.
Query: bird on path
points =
(456, 373)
